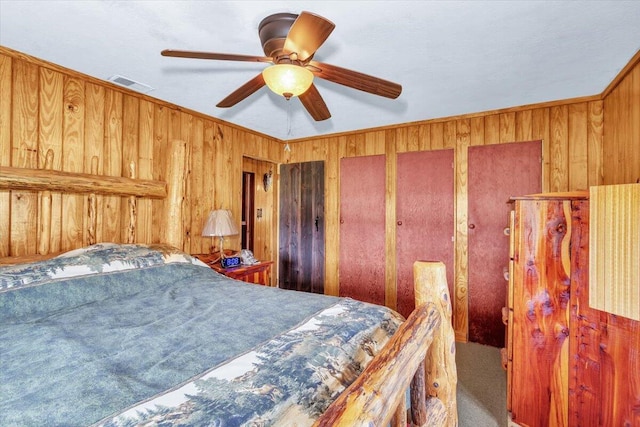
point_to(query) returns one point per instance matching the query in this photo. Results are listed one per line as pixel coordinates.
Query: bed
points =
(148, 329)
(144, 334)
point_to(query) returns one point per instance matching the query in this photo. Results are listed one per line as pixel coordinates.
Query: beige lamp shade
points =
(220, 224)
(287, 80)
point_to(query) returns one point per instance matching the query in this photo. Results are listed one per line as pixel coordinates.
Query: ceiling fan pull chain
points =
(288, 118)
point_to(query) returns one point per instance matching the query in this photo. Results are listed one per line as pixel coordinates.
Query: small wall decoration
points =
(267, 180)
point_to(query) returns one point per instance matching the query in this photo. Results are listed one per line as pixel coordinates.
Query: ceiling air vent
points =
(131, 84)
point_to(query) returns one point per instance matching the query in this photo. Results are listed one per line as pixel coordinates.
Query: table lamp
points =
(220, 224)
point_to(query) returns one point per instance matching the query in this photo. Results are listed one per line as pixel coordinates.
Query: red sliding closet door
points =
(424, 217)
(362, 228)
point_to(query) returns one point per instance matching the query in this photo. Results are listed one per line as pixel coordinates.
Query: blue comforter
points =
(135, 335)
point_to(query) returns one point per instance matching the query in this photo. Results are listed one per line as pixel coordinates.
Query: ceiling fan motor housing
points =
(273, 32)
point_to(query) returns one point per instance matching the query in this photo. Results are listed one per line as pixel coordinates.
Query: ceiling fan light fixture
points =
(287, 80)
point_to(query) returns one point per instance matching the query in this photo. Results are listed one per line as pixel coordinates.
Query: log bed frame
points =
(420, 357)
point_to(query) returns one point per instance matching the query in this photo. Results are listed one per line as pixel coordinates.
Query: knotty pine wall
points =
(93, 126)
(266, 228)
(622, 126)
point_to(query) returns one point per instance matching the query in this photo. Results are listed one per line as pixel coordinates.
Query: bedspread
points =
(123, 335)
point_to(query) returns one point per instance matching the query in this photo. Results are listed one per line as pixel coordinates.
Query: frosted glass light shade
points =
(287, 80)
(220, 223)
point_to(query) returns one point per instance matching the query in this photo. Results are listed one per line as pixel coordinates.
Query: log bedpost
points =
(93, 208)
(424, 344)
(374, 397)
(131, 228)
(176, 182)
(45, 211)
(430, 282)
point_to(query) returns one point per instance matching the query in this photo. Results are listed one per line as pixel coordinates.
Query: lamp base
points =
(222, 247)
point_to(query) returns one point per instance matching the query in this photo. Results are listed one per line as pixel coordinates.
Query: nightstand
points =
(260, 273)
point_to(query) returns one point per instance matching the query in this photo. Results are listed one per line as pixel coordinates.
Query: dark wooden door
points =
(301, 252)
(424, 217)
(362, 228)
(496, 173)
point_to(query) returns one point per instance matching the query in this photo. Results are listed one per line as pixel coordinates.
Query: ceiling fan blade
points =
(355, 80)
(306, 35)
(242, 92)
(211, 55)
(313, 102)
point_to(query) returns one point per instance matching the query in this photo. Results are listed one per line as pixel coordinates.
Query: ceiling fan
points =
(289, 42)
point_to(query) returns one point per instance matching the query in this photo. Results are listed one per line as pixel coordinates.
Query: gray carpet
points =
(482, 386)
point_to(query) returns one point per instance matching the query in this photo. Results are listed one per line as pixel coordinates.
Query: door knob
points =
(472, 226)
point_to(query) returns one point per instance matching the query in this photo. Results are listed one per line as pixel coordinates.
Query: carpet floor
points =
(482, 386)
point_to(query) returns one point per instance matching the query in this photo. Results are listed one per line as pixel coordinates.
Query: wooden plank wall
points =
(265, 228)
(92, 126)
(622, 126)
(586, 142)
(572, 141)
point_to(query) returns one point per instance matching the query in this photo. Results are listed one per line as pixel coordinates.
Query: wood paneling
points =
(24, 149)
(611, 126)
(264, 227)
(112, 163)
(571, 159)
(72, 161)
(145, 169)
(51, 140)
(92, 126)
(621, 142)
(94, 149)
(6, 91)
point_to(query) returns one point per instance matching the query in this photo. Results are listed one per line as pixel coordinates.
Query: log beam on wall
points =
(48, 180)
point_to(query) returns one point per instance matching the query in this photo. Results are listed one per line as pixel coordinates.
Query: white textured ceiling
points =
(451, 57)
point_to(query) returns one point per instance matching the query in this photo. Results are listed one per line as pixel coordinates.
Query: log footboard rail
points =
(419, 357)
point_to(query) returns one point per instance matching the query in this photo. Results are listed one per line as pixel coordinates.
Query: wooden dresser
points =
(567, 364)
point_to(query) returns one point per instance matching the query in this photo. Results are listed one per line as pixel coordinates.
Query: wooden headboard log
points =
(68, 182)
(46, 181)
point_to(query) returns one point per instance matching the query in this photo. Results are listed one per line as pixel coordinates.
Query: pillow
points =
(91, 260)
